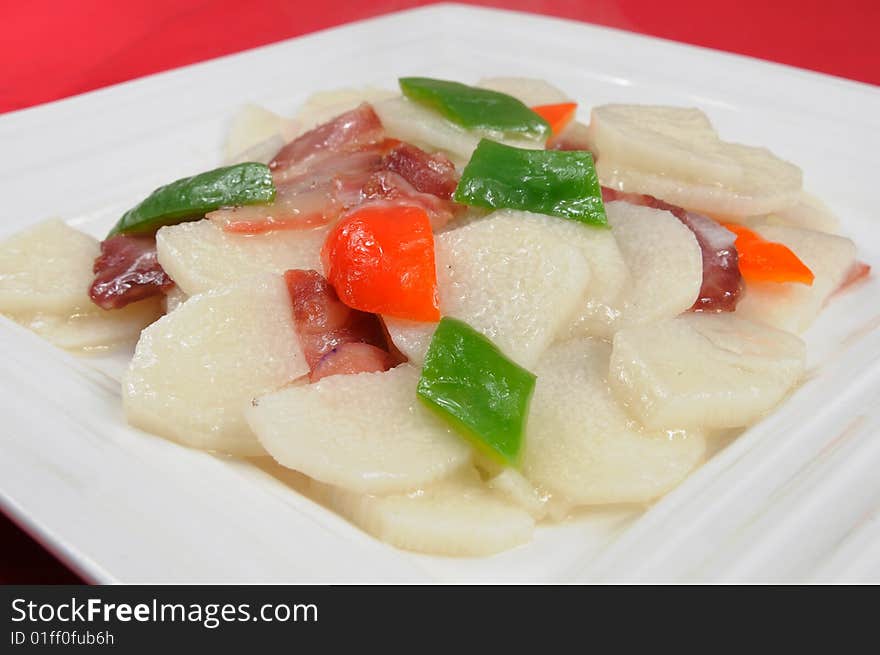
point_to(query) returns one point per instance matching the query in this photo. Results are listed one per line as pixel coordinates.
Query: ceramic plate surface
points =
(795, 498)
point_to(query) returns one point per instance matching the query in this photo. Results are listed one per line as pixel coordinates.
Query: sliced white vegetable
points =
(510, 276)
(529, 90)
(674, 154)
(262, 152)
(576, 136)
(582, 446)
(45, 274)
(252, 126)
(47, 269)
(196, 369)
(511, 485)
(664, 260)
(675, 141)
(790, 306)
(609, 272)
(409, 121)
(174, 299)
(704, 370)
(411, 338)
(94, 328)
(765, 193)
(200, 255)
(455, 517)
(366, 432)
(809, 213)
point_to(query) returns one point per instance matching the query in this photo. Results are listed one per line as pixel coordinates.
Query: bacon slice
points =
(433, 174)
(722, 282)
(335, 168)
(300, 204)
(127, 270)
(387, 186)
(349, 131)
(353, 357)
(324, 324)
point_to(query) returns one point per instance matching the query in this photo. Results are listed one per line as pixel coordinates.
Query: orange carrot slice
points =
(559, 116)
(767, 261)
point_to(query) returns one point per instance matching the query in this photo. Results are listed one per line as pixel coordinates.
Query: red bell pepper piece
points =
(380, 259)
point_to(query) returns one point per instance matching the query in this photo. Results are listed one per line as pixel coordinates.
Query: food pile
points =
(456, 309)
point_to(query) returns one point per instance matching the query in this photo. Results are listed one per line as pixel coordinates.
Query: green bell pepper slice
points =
(554, 182)
(473, 386)
(474, 108)
(191, 198)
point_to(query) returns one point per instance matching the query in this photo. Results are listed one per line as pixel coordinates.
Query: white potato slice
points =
(610, 278)
(411, 338)
(94, 328)
(791, 306)
(252, 126)
(47, 269)
(325, 105)
(367, 432)
(262, 152)
(512, 485)
(455, 517)
(609, 273)
(675, 141)
(409, 121)
(582, 446)
(174, 299)
(575, 136)
(45, 274)
(196, 369)
(530, 91)
(200, 256)
(809, 213)
(511, 277)
(704, 370)
(664, 260)
(762, 192)
(674, 153)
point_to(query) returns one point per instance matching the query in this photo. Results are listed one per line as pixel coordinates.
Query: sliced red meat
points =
(434, 174)
(299, 204)
(722, 282)
(317, 196)
(352, 357)
(349, 131)
(339, 165)
(387, 186)
(324, 324)
(126, 271)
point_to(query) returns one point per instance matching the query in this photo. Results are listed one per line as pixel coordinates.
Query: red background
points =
(51, 49)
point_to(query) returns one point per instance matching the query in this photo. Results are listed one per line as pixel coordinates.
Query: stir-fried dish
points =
(455, 310)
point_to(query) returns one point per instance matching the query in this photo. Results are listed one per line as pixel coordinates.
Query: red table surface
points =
(52, 49)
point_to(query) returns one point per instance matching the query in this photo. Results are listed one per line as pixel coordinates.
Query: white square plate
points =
(794, 499)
